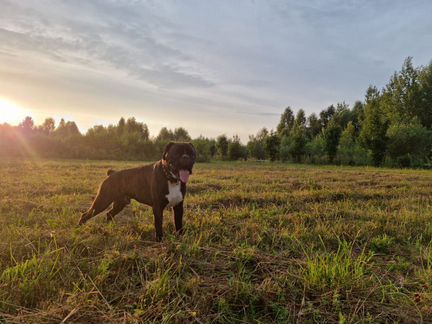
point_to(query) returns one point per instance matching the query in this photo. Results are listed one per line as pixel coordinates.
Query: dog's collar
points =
(166, 167)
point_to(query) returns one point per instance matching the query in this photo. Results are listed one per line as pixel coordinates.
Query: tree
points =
(425, 105)
(375, 125)
(294, 145)
(256, 144)
(27, 125)
(66, 129)
(300, 120)
(313, 126)
(203, 149)
(181, 135)
(343, 114)
(272, 143)
(357, 116)
(262, 134)
(347, 145)
(236, 150)
(315, 150)
(286, 122)
(72, 128)
(48, 126)
(165, 135)
(331, 139)
(326, 115)
(256, 149)
(140, 130)
(212, 148)
(402, 96)
(222, 146)
(121, 126)
(409, 144)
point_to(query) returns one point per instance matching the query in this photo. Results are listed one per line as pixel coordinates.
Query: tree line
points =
(392, 126)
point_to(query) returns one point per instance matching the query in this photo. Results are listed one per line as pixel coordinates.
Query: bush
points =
(284, 149)
(236, 150)
(256, 149)
(203, 149)
(409, 144)
(293, 145)
(315, 150)
(331, 139)
(272, 143)
(349, 150)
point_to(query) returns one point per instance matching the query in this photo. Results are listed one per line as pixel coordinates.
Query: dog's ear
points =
(167, 147)
(193, 147)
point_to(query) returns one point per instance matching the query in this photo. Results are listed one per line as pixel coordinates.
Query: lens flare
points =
(10, 112)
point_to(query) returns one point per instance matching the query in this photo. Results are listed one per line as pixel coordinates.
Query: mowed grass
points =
(264, 243)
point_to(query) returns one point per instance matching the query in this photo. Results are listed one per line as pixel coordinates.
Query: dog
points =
(158, 185)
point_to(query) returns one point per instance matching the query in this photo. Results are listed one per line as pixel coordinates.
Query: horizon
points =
(222, 68)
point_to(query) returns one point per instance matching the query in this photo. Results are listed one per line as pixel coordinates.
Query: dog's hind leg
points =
(99, 205)
(117, 207)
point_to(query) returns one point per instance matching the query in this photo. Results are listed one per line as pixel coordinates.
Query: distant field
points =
(264, 243)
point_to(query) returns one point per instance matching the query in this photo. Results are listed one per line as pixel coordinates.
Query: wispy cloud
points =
(208, 66)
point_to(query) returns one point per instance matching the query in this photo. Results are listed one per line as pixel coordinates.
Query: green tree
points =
(286, 122)
(347, 145)
(165, 135)
(294, 145)
(272, 143)
(402, 97)
(213, 148)
(300, 120)
(140, 130)
(375, 125)
(409, 144)
(67, 129)
(313, 126)
(331, 139)
(315, 150)
(343, 115)
(121, 126)
(236, 150)
(222, 146)
(358, 116)
(181, 135)
(256, 144)
(326, 115)
(203, 149)
(425, 105)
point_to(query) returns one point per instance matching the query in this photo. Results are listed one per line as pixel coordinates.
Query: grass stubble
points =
(264, 243)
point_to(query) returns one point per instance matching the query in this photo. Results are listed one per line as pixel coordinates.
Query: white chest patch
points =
(175, 195)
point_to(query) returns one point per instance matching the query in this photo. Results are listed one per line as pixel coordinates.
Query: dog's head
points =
(180, 158)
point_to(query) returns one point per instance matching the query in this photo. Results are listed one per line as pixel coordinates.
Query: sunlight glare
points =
(10, 112)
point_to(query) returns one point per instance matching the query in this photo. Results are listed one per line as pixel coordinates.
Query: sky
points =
(212, 67)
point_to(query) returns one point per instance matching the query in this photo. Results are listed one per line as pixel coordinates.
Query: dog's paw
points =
(82, 220)
(159, 238)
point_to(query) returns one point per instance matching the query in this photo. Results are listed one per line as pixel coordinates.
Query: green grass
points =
(264, 243)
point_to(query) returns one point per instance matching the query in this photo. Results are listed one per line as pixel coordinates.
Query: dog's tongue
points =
(184, 175)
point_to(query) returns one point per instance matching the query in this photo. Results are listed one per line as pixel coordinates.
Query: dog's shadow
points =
(135, 220)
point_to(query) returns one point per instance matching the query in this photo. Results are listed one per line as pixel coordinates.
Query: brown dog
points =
(159, 185)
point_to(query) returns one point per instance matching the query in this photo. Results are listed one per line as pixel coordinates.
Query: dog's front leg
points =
(158, 221)
(178, 218)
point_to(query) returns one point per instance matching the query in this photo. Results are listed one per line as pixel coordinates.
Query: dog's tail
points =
(110, 171)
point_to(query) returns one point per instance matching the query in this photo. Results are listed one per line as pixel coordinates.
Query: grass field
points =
(264, 243)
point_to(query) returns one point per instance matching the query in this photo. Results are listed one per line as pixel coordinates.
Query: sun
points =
(10, 112)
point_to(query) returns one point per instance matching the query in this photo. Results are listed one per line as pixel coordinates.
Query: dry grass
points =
(264, 243)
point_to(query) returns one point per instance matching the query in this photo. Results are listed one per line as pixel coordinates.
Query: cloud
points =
(113, 35)
(235, 63)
